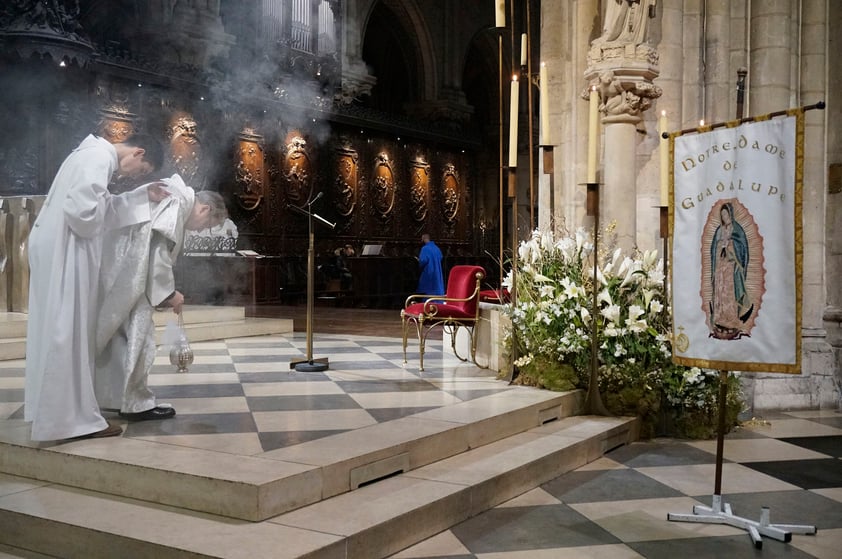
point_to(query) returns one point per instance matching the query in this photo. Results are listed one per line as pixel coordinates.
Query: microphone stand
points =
(310, 365)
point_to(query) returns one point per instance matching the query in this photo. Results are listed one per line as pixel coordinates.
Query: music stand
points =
(310, 365)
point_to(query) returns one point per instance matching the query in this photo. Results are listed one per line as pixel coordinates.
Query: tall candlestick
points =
(593, 110)
(544, 86)
(499, 13)
(513, 123)
(523, 49)
(665, 159)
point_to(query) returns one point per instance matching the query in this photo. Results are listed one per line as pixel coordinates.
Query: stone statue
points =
(625, 21)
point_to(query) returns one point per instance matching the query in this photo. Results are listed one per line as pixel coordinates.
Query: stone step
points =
(371, 522)
(201, 323)
(262, 486)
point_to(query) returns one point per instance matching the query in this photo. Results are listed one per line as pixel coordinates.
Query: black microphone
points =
(316, 197)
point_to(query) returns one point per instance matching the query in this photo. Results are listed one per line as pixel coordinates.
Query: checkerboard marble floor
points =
(617, 506)
(241, 397)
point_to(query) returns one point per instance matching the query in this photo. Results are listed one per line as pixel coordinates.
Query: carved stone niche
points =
(297, 169)
(347, 179)
(420, 189)
(383, 195)
(450, 183)
(250, 172)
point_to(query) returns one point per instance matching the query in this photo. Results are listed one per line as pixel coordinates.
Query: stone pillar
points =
(769, 73)
(356, 81)
(719, 80)
(817, 352)
(618, 193)
(622, 68)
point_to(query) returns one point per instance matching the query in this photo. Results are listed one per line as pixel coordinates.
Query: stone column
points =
(719, 80)
(817, 352)
(769, 73)
(356, 81)
(622, 68)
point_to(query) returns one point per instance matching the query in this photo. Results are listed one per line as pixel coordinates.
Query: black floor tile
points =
(373, 386)
(194, 424)
(512, 529)
(789, 507)
(11, 395)
(197, 391)
(730, 547)
(806, 474)
(607, 485)
(272, 440)
(660, 453)
(338, 365)
(204, 368)
(284, 375)
(830, 445)
(388, 414)
(302, 402)
(282, 360)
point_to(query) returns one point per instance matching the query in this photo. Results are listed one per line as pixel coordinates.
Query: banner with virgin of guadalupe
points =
(736, 245)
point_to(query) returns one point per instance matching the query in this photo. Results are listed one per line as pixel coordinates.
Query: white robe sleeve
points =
(129, 208)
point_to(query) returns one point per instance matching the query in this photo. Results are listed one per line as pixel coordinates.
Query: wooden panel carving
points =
(420, 190)
(185, 149)
(384, 187)
(297, 170)
(115, 126)
(347, 181)
(250, 171)
(450, 180)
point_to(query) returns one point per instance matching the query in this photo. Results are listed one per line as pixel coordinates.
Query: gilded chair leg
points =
(403, 328)
(422, 339)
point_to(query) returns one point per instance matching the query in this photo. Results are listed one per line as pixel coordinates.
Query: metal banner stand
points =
(310, 365)
(720, 513)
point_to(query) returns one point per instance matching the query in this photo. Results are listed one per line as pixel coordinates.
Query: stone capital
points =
(622, 75)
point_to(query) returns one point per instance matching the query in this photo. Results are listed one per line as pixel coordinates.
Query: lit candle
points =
(523, 49)
(513, 124)
(702, 122)
(544, 86)
(665, 159)
(500, 13)
(592, 138)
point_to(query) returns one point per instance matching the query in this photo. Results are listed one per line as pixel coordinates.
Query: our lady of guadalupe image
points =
(732, 270)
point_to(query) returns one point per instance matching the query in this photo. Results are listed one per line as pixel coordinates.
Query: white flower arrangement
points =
(553, 316)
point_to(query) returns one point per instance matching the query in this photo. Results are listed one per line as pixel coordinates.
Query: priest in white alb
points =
(137, 277)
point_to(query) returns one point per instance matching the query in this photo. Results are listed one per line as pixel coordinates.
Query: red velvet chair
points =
(458, 308)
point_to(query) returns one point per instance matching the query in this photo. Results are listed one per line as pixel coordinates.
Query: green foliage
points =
(560, 300)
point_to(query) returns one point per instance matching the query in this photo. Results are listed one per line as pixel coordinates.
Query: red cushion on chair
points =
(461, 284)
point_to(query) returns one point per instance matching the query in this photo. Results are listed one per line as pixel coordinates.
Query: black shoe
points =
(155, 413)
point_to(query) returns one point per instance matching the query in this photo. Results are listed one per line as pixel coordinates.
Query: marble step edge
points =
(261, 486)
(13, 325)
(200, 332)
(375, 521)
(15, 348)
